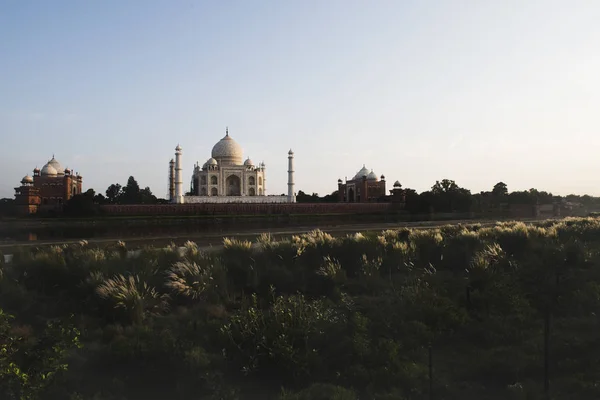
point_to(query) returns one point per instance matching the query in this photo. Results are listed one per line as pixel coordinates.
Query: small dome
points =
(212, 161)
(49, 170)
(397, 184)
(248, 162)
(363, 172)
(36, 170)
(228, 151)
(27, 179)
(291, 153)
(372, 176)
(382, 177)
(178, 148)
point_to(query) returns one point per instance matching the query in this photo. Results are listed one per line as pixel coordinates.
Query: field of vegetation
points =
(460, 312)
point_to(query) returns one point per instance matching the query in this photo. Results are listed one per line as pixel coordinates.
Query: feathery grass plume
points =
(358, 237)
(192, 280)
(330, 268)
(266, 242)
(94, 279)
(491, 255)
(191, 250)
(134, 296)
(235, 244)
(451, 230)
(318, 237)
(391, 235)
(400, 255)
(370, 267)
(426, 244)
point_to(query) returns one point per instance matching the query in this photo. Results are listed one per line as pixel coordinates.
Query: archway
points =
(214, 192)
(203, 191)
(252, 192)
(251, 181)
(233, 185)
(350, 195)
(213, 180)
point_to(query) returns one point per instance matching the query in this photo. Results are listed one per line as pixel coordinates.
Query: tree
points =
(449, 197)
(100, 199)
(500, 190)
(131, 192)
(81, 205)
(445, 186)
(147, 197)
(113, 193)
(7, 207)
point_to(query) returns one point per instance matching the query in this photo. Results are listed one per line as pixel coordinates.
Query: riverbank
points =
(215, 238)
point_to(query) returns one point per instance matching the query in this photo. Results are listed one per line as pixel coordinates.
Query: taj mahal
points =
(226, 178)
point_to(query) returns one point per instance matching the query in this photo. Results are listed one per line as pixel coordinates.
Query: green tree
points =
(113, 193)
(500, 189)
(131, 192)
(147, 197)
(81, 204)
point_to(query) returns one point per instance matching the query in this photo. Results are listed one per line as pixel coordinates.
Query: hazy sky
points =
(476, 91)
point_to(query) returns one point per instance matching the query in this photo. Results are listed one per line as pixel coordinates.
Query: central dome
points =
(228, 151)
(59, 169)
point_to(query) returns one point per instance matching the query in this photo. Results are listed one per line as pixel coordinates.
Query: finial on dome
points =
(226, 131)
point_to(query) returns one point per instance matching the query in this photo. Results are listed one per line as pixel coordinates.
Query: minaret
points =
(171, 180)
(291, 197)
(178, 176)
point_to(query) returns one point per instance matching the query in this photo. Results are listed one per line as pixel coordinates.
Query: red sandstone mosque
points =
(364, 187)
(48, 189)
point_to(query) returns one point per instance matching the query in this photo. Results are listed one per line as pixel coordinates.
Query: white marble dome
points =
(211, 161)
(27, 179)
(49, 170)
(54, 163)
(372, 176)
(228, 151)
(248, 162)
(363, 172)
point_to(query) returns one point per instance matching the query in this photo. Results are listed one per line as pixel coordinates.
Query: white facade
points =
(226, 178)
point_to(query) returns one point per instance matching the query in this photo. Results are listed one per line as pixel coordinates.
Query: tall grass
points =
(356, 310)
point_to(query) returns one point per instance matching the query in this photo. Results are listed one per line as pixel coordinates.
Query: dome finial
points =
(226, 131)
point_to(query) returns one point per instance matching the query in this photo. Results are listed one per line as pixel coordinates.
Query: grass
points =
(348, 316)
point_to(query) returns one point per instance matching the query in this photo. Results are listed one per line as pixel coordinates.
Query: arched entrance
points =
(252, 192)
(233, 185)
(214, 192)
(350, 195)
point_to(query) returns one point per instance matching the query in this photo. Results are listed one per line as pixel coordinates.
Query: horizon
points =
(478, 93)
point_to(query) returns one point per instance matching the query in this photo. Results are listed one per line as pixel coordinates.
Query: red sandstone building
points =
(47, 190)
(365, 187)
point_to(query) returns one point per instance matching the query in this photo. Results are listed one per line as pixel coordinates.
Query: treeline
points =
(87, 203)
(446, 196)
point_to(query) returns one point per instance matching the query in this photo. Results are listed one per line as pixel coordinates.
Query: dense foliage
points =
(312, 317)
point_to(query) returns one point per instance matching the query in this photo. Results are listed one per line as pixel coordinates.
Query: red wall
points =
(246, 209)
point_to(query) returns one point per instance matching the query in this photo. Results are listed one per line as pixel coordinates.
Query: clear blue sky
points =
(476, 91)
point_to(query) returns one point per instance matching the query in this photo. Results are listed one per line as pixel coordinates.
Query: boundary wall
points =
(246, 209)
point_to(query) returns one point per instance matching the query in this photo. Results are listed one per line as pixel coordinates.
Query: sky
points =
(469, 90)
